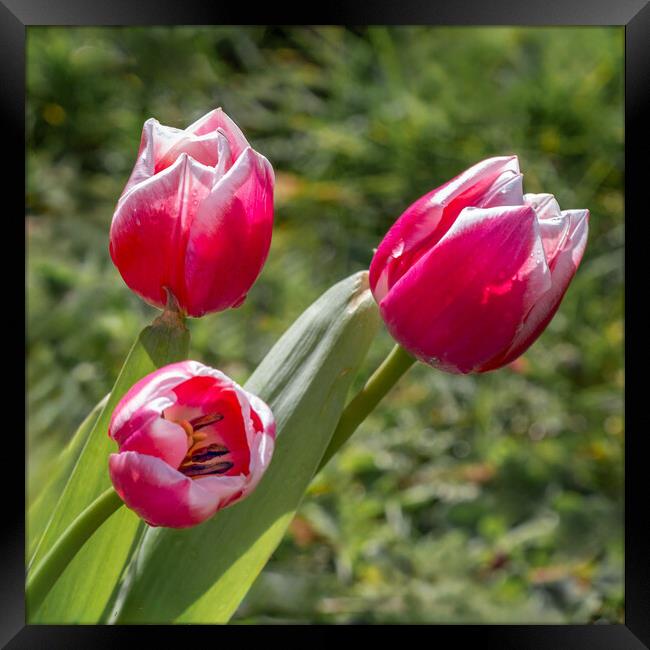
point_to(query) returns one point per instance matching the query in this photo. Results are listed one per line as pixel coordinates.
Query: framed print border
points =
(17, 15)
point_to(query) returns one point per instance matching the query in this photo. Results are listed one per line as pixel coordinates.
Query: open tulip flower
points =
(471, 273)
(195, 217)
(191, 441)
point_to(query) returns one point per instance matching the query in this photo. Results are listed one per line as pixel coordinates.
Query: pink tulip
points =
(191, 442)
(195, 216)
(471, 274)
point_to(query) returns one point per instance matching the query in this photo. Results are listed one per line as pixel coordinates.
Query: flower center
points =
(207, 459)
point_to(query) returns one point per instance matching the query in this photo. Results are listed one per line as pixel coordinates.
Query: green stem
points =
(381, 381)
(49, 569)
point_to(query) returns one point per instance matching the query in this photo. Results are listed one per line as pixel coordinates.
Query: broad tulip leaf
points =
(88, 583)
(40, 511)
(201, 574)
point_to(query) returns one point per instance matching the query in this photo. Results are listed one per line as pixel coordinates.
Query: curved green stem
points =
(381, 381)
(50, 568)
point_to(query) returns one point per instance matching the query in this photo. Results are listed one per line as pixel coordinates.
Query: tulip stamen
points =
(207, 470)
(205, 420)
(205, 461)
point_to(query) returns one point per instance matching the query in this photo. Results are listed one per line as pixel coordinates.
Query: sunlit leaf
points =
(200, 575)
(86, 586)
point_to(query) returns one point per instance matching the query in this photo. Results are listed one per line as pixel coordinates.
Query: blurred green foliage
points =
(493, 498)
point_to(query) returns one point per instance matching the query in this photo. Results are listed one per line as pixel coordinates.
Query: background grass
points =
(493, 498)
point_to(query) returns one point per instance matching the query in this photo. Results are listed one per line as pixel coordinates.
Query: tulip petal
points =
(506, 190)
(203, 149)
(554, 226)
(226, 160)
(426, 221)
(499, 272)
(261, 439)
(137, 422)
(156, 139)
(544, 204)
(150, 228)
(162, 496)
(260, 453)
(217, 119)
(152, 394)
(161, 145)
(563, 266)
(230, 236)
(262, 416)
(161, 438)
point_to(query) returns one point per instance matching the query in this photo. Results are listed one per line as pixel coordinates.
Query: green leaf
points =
(40, 511)
(87, 585)
(200, 575)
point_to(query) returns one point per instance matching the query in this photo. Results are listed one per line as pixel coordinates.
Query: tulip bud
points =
(195, 217)
(471, 273)
(191, 442)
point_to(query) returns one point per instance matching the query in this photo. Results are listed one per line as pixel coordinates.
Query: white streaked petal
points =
(545, 205)
(506, 190)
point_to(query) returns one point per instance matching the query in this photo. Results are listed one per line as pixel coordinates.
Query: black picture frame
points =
(16, 15)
